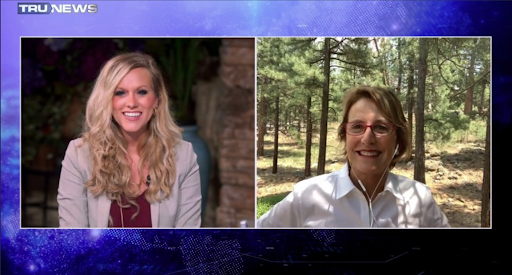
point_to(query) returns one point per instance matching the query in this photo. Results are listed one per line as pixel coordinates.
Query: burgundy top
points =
(143, 219)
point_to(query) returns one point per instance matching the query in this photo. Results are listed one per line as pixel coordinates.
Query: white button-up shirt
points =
(332, 200)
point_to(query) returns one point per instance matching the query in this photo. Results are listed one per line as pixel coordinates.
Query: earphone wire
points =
(372, 218)
(373, 193)
(380, 180)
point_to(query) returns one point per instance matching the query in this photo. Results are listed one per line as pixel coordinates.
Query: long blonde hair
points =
(110, 166)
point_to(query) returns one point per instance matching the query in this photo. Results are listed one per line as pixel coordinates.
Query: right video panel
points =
(374, 132)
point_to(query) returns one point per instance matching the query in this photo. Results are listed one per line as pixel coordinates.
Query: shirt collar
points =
(393, 186)
(344, 184)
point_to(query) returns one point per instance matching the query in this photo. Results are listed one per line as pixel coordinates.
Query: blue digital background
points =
(225, 251)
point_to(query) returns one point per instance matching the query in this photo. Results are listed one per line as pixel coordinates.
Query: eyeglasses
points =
(379, 129)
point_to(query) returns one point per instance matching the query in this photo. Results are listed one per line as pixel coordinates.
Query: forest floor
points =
(454, 174)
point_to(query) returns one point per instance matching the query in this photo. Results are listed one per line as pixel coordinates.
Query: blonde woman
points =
(130, 168)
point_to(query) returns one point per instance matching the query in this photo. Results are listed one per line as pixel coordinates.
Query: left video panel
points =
(137, 132)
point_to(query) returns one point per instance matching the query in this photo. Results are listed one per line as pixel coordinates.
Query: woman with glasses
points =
(364, 193)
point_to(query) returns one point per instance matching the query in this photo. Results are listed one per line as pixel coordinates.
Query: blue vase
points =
(203, 160)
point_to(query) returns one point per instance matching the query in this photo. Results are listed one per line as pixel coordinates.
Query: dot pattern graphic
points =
(133, 238)
(326, 237)
(203, 255)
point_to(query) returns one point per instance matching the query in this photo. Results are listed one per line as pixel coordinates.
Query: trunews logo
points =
(47, 8)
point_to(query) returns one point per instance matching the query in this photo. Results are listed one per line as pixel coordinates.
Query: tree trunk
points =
(486, 186)
(484, 85)
(325, 109)
(262, 123)
(309, 137)
(276, 135)
(419, 161)
(482, 96)
(410, 97)
(354, 77)
(382, 63)
(286, 118)
(400, 67)
(468, 105)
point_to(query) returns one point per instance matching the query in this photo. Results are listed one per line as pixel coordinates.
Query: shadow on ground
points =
(472, 158)
(270, 145)
(462, 206)
(283, 175)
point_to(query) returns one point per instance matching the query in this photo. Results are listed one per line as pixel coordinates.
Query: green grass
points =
(266, 203)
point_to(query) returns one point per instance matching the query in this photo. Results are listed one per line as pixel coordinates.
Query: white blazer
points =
(78, 208)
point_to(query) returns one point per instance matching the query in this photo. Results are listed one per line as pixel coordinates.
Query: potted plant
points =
(178, 59)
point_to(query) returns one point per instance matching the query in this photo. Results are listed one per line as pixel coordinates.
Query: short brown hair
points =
(389, 104)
